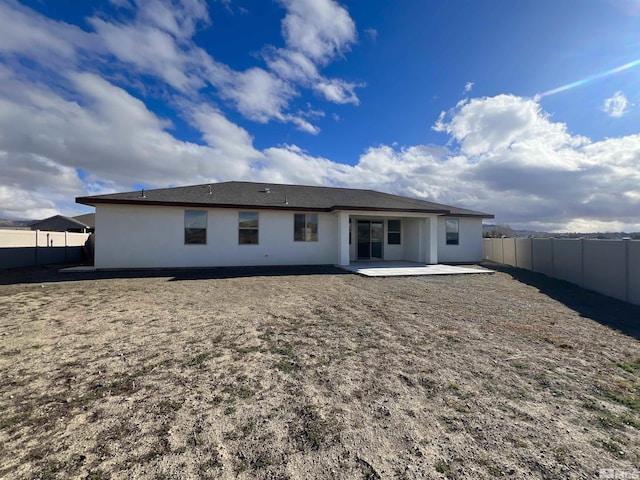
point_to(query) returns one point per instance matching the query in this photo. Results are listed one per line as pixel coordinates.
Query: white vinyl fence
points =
(610, 267)
(24, 248)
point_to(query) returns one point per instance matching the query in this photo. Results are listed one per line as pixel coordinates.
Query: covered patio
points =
(405, 268)
(372, 236)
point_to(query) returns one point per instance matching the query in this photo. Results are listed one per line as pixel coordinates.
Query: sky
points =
(529, 109)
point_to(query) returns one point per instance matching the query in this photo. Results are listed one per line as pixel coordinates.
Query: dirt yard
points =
(292, 375)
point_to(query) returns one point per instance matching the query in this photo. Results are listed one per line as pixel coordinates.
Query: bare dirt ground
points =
(291, 374)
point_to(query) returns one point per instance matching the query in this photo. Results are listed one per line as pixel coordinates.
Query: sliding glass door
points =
(370, 238)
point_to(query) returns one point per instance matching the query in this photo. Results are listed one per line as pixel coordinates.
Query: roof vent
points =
(142, 195)
(210, 191)
(286, 201)
(267, 190)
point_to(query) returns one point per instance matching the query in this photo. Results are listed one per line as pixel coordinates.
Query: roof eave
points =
(93, 201)
(389, 209)
(119, 201)
(473, 215)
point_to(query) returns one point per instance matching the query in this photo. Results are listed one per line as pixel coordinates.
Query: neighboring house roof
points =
(277, 197)
(15, 224)
(59, 223)
(88, 219)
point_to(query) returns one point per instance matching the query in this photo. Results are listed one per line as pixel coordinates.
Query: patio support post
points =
(432, 245)
(343, 238)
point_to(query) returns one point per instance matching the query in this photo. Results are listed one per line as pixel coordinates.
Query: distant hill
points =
(5, 223)
(498, 231)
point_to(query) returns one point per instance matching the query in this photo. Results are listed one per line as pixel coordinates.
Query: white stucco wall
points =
(394, 252)
(150, 237)
(153, 237)
(469, 248)
(411, 241)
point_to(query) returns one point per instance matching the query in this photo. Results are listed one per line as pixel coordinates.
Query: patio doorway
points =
(370, 239)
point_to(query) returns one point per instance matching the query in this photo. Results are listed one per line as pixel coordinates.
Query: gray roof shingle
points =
(58, 223)
(277, 197)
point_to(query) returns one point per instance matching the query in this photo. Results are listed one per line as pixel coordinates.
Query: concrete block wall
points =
(542, 256)
(633, 283)
(610, 267)
(25, 248)
(605, 267)
(567, 260)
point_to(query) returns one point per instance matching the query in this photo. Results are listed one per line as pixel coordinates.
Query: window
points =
(248, 228)
(452, 228)
(305, 227)
(394, 228)
(195, 227)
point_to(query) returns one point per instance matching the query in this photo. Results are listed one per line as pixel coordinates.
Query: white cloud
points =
(541, 176)
(372, 33)
(506, 157)
(505, 121)
(150, 49)
(616, 106)
(315, 33)
(121, 3)
(109, 134)
(338, 91)
(320, 29)
(291, 65)
(303, 124)
(180, 18)
(156, 38)
(28, 33)
(35, 187)
(468, 87)
(257, 94)
(233, 144)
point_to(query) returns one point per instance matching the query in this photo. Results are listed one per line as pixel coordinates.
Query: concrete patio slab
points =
(401, 269)
(87, 268)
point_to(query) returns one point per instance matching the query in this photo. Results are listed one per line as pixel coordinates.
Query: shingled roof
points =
(60, 223)
(277, 197)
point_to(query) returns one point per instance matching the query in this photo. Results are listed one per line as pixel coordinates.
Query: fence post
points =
(66, 244)
(532, 242)
(37, 252)
(515, 251)
(582, 262)
(553, 258)
(626, 269)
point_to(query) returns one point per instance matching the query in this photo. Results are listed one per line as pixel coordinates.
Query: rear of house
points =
(251, 224)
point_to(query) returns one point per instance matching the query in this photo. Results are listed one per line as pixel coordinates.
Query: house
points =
(88, 219)
(250, 224)
(60, 223)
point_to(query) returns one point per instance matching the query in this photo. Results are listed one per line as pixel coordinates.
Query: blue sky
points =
(457, 102)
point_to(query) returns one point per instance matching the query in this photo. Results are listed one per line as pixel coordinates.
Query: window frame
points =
(397, 232)
(452, 237)
(190, 231)
(242, 229)
(307, 236)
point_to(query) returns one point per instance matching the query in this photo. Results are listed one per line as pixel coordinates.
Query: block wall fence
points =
(610, 267)
(27, 248)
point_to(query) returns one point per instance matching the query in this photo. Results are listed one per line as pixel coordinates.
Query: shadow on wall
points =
(607, 311)
(17, 257)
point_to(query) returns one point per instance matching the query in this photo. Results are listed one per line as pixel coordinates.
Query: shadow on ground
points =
(607, 311)
(51, 274)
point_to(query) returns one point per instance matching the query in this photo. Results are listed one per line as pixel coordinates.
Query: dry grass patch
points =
(314, 376)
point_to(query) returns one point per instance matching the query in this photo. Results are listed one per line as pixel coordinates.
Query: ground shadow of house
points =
(607, 311)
